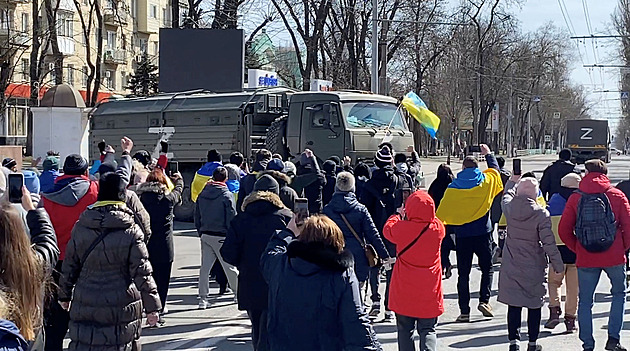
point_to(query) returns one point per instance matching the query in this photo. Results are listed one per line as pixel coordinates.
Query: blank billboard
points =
(211, 59)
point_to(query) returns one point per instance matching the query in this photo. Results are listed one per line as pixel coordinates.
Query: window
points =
(110, 80)
(111, 40)
(166, 17)
(66, 24)
(143, 46)
(379, 115)
(123, 42)
(6, 19)
(17, 120)
(70, 74)
(26, 67)
(123, 80)
(156, 48)
(318, 116)
(84, 76)
(25, 25)
(154, 10)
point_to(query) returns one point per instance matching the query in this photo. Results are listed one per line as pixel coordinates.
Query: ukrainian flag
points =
(419, 110)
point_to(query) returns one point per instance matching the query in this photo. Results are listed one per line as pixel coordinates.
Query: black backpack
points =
(596, 227)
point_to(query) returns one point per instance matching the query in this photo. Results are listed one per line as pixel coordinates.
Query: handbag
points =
(370, 251)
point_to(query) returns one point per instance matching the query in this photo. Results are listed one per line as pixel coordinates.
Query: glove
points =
(102, 146)
(163, 147)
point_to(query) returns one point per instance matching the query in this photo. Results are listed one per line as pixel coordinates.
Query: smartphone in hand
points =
(516, 166)
(301, 210)
(15, 184)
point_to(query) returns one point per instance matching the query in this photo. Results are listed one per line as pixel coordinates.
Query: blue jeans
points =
(588, 278)
(426, 330)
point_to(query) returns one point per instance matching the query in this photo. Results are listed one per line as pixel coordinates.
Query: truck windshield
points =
(379, 115)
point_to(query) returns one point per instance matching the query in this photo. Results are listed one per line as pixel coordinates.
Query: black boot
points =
(614, 345)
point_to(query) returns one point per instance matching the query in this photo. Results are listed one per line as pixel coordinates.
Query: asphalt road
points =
(223, 327)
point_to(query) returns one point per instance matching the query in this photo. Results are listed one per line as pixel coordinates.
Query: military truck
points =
(342, 123)
(588, 139)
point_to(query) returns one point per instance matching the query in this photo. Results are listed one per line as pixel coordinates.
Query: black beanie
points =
(107, 167)
(111, 187)
(143, 157)
(214, 156)
(267, 183)
(75, 165)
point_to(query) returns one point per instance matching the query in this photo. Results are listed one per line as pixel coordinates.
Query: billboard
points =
(258, 78)
(211, 59)
(321, 85)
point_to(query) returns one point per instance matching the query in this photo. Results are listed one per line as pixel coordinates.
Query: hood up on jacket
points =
(68, 190)
(310, 258)
(214, 190)
(280, 177)
(594, 183)
(113, 217)
(261, 202)
(420, 207)
(152, 187)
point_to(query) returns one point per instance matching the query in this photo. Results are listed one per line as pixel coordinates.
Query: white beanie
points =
(345, 182)
(527, 187)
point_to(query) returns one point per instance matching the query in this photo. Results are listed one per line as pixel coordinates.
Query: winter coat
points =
(495, 210)
(439, 185)
(594, 183)
(244, 244)
(247, 183)
(361, 221)
(416, 286)
(47, 180)
(70, 196)
(378, 195)
(310, 182)
(10, 337)
(287, 194)
(43, 236)
(624, 186)
(203, 176)
(214, 209)
(159, 203)
(522, 275)
(314, 299)
(555, 206)
(141, 215)
(553, 174)
(112, 287)
(329, 189)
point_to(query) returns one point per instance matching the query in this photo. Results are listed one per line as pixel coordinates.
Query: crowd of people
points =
(328, 233)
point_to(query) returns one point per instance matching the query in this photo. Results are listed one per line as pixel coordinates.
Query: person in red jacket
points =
(415, 293)
(590, 264)
(70, 196)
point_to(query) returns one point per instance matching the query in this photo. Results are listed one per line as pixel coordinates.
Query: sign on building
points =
(258, 78)
(321, 85)
(547, 138)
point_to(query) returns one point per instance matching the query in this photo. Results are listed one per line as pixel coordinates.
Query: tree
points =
(144, 81)
(91, 18)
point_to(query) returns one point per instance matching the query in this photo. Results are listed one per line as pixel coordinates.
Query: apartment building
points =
(130, 29)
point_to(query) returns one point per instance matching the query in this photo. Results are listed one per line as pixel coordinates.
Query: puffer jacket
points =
(214, 209)
(112, 287)
(416, 286)
(160, 203)
(529, 242)
(286, 193)
(594, 183)
(140, 214)
(244, 244)
(314, 299)
(361, 221)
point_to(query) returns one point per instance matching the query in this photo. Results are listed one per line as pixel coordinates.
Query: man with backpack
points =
(595, 225)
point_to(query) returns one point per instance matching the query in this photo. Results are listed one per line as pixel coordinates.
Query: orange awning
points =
(21, 90)
(100, 97)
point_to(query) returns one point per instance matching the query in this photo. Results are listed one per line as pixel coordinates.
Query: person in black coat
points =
(247, 183)
(550, 181)
(362, 174)
(436, 190)
(287, 194)
(314, 300)
(330, 171)
(345, 203)
(310, 181)
(243, 246)
(160, 202)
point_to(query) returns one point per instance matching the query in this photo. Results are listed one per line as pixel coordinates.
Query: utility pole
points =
(529, 128)
(509, 123)
(375, 46)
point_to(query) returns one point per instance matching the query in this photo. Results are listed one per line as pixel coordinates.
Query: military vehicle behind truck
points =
(588, 139)
(281, 120)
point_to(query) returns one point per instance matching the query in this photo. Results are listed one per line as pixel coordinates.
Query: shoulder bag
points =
(87, 253)
(414, 241)
(370, 251)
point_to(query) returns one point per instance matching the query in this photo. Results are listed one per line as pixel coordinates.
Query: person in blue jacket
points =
(10, 337)
(314, 302)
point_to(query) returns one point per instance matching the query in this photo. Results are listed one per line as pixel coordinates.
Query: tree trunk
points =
(51, 17)
(174, 13)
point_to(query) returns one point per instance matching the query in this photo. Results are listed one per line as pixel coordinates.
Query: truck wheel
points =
(275, 140)
(185, 211)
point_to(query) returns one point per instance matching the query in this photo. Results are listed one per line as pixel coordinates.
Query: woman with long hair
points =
(25, 264)
(437, 189)
(314, 301)
(159, 201)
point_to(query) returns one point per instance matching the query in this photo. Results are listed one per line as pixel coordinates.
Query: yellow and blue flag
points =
(419, 110)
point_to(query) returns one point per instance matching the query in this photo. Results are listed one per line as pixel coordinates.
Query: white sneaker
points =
(203, 304)
(165, 310)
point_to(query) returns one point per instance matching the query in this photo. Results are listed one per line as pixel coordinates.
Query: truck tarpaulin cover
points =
(587, 133)
(211, 59)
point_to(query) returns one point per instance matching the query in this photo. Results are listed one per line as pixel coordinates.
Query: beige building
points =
(130, 28)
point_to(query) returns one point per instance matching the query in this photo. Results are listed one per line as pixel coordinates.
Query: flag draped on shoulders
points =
(469, 197)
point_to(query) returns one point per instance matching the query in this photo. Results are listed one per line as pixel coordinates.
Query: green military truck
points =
(282, 120)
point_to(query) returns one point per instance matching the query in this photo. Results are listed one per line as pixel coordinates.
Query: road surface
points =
(223, 327)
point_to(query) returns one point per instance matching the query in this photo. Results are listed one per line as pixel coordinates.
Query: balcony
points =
(14, 38)
(115, 57)
(115, 17)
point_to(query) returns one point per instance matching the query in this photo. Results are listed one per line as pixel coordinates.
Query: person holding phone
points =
(243, 246)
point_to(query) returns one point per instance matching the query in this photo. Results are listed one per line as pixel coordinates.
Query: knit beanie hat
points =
(143, 157)
(571, 180)
(75, 165)
(329, 167)
(267, 183)
(107, 167)
(234, 173)
(31, 182)
(111, 187)
(289, 168)
(362, 170)
(527, 187)
(9, 163)
(51, 163)
(275, 165)
(336, 160)
(345, 182)
(383, 157)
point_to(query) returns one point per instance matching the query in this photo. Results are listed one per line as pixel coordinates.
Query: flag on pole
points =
(419, 110)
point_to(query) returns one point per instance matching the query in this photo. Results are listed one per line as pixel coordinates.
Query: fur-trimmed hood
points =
(263, 196)
(318, 256)
(151, 187)
(280, 177)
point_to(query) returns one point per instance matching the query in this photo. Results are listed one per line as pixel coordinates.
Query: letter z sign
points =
(586, 133)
